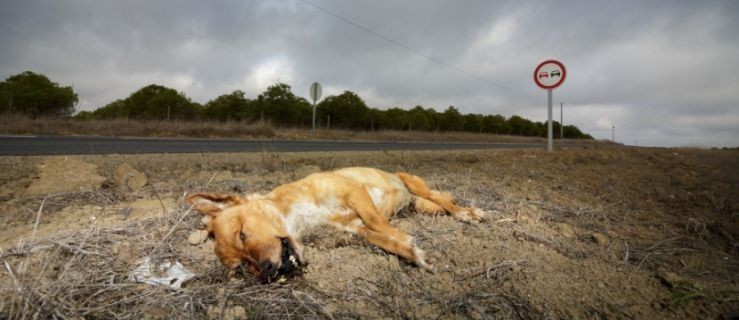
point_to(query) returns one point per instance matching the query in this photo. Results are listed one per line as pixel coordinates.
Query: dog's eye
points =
(242, 236)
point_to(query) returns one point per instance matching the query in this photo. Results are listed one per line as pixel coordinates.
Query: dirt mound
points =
(65, 174)
(129, 178)
(75, 219)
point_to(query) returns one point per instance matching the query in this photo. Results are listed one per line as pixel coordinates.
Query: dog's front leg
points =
(405, 249)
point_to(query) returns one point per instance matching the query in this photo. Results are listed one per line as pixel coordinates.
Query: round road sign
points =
(315, 91)
(550, 74)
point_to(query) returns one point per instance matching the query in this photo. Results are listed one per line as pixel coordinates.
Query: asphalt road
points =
(62, 145)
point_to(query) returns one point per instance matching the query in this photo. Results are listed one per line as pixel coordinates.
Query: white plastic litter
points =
(174, 274)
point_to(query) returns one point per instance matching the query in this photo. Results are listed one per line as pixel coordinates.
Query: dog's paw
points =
(471, 215)
(422, 262)
(479, 214)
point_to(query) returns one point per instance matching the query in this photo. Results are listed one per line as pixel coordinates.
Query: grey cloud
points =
(645, 67)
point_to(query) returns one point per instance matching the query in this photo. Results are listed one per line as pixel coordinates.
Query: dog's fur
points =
(263, 230)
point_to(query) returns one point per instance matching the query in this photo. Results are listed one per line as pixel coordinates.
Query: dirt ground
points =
(575, 234)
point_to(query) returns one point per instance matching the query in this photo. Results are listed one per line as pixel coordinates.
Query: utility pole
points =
(10, 102)
(561, 122)
(613, 134)
(168, 107)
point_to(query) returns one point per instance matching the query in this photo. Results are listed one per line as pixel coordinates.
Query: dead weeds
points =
(21, 125)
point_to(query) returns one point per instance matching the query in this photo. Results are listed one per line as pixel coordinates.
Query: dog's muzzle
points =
(289, 263)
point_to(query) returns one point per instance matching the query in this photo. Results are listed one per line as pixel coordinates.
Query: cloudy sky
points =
(664, 73)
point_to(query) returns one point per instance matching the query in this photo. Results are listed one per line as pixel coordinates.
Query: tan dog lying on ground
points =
(263, 230)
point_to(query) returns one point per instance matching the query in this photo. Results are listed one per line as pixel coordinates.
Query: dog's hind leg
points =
(427, 206)
(434, 202)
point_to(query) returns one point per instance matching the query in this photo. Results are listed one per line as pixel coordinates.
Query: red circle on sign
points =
(538, 74)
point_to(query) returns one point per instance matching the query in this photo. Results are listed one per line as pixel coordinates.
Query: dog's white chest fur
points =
(305, 214)
(377, 196)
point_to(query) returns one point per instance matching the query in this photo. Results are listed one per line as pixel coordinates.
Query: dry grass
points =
(11, 124)
(405, 296)
(16, 124)
(86, 275)
(425, 136)
(391, 135)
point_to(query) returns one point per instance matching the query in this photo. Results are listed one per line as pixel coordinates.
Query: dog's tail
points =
(428, 201)
(414, 184)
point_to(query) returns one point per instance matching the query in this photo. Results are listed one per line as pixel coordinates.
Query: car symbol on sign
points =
(556, 73)
(543, 75)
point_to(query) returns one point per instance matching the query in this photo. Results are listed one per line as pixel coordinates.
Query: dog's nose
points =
(267, 268)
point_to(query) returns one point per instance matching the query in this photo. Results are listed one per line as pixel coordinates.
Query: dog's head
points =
(249, 233)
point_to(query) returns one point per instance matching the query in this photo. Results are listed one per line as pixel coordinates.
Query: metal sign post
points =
(549, 123)
(549, 75)
(315, 94)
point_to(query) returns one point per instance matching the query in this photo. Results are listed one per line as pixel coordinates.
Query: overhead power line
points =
(410, 49)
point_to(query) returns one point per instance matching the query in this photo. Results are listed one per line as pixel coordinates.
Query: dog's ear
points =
(212, 203)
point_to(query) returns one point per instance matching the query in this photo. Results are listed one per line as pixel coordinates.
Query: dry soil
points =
(588, 233)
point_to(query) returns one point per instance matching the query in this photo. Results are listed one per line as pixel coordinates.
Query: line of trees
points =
(33, 94)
